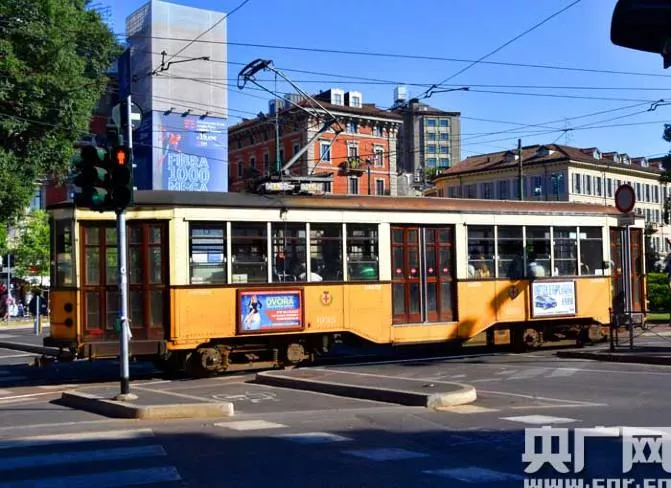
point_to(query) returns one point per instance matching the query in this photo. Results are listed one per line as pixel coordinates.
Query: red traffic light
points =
(120, 156)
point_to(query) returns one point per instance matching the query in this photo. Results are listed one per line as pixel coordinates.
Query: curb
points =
(616, 358)
(462, 395)
(126, 410)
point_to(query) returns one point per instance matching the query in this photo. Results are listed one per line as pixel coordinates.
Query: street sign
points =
(625, 198)
(627, 219)
(135, 115)
(124, 74)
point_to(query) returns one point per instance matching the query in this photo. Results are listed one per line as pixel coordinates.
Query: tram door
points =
(422, 270)
(617, 273)
(147, 280)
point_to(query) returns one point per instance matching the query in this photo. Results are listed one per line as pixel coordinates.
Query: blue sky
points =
(460, 29)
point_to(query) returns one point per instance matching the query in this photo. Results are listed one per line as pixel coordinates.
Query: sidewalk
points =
(22, 323)
(660, 355)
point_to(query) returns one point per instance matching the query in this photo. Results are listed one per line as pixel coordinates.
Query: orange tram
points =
(220, 281)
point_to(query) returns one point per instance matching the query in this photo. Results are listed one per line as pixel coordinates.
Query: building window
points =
(656, 193)
(444, 162)
(327, 187)
(252, 163)
(379, 187)
(576, 183)
(379, 157)
(281, 156)
(444, 136)
(431, 162)
(431, 136)
(430, 122)
(240, 169)
(504, 187)
(588, 184)
(431, 148)
(609, 187)
(296, 149)
(337, 99)
(377, 131)
(325, 152)
(488, 190)
(355, 101)
(351, 127)
(444, 122)
(444, 149)
(453, 192)
(598, 185)
(208, 254)
(266, 160)
(354, 186)
(647, 193)
(353, 151)
(471, 191)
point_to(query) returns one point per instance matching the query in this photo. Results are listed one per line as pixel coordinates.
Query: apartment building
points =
(559, 172)
(361, 159)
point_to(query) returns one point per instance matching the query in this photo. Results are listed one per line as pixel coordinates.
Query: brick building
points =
(362, 156)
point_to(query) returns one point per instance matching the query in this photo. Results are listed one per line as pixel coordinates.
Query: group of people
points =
(12, 305)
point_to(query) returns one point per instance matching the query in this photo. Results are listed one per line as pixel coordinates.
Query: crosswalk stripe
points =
(250, 425)
(68, 438)
(563, 372)
(540, 419)
(109, 479)
(7, 464)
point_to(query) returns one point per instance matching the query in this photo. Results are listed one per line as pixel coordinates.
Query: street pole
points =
(520, 176)
(124, 336)
(627, 284)
(368, 164)
(9, 283)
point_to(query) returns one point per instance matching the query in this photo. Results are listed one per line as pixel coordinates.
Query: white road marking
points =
(250, 425)
(69, 437)
(540, 419)
(467, 409)
(313, 438)
(21, 355)
(547, 399)
(22, 397)
(109, 479)
(563, 372)
(74, 457)
(473, 474)
(57, 387)
(386, 454)
(180, 395)
(528, 373)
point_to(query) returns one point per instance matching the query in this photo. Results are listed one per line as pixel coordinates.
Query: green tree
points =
(30, 253)
(54, 57)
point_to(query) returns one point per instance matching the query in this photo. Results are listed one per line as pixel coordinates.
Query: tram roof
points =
(160, 198)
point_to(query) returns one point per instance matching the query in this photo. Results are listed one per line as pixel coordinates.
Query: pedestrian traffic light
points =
(92, 176)
(122, 177)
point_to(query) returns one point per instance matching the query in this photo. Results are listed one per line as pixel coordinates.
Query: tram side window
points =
(538, 251)
(362, 257)
(289, 252)
(591, 251)
(511, 252)
(481, 251)
(61, 253)
(326, 252)
(249, 252)
(208, 254)
(565, 247)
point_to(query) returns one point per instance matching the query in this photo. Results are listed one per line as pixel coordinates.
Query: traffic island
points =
(148, 405)
(403, 391)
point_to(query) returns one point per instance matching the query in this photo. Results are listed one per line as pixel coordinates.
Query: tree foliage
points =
(54, 56)
(665, 177)
(30, 254)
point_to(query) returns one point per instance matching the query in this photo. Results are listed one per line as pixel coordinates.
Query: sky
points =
(576, 106)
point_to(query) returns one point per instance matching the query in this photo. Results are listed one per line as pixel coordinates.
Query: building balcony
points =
(353, 166)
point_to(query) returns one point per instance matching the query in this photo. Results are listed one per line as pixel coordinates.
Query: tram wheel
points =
(295, 353)
(204, 362)
(532, 339)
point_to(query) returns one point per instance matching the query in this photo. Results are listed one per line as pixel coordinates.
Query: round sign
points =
(625, 198)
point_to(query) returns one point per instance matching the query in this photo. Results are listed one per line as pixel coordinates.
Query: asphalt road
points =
(287, 438)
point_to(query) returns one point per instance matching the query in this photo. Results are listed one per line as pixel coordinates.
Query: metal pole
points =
(627, 284)
(520, 175)
(38, 325)
(124, 338)
(9, 284)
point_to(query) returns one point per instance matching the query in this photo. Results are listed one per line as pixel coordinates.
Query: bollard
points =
(37, 325)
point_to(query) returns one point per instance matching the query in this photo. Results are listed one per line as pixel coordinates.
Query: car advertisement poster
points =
(552, 298)
(268, 311)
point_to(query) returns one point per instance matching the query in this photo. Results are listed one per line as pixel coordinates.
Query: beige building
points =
(558, 172)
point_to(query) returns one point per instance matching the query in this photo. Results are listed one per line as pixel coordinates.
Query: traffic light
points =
(93, 178)
(122, 177)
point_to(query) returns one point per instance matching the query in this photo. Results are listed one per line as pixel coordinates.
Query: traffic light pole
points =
(125, 335)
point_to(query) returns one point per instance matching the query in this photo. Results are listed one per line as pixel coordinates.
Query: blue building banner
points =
(268, 311)
(551, 298)
(191, 153)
